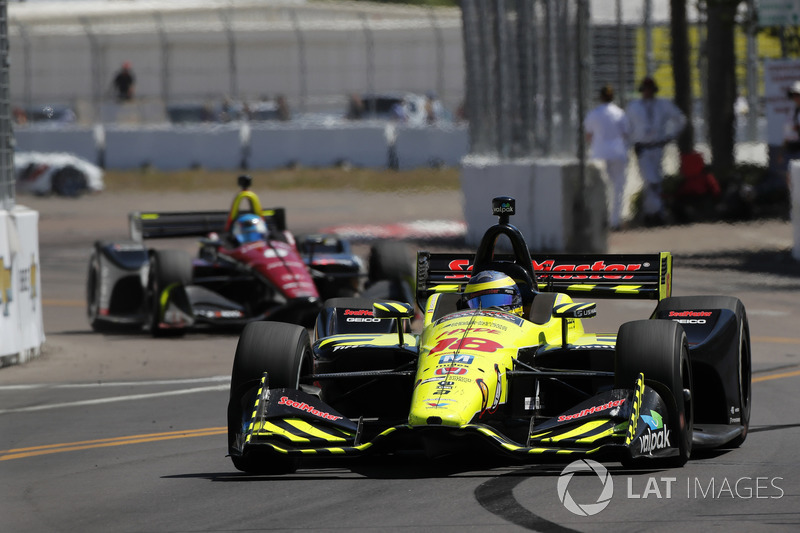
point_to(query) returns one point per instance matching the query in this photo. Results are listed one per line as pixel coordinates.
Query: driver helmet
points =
(490, 288)
(249, 228)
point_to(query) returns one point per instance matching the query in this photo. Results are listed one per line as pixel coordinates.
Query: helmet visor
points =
(491, 298)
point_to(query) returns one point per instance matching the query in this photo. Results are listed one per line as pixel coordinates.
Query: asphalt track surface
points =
(126, 433)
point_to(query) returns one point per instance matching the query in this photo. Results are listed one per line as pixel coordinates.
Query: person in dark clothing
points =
(124, 82)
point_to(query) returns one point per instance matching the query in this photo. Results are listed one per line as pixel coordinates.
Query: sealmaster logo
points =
(591, 410)
(302, 406)
(689, 313)
(606, 492)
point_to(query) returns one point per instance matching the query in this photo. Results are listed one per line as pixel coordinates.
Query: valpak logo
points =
(605, 490)
(657, 436)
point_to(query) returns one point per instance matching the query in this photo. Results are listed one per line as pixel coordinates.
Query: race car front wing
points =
(621, 423)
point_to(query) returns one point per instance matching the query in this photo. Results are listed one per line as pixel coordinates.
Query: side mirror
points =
(396, 310)
(392, 310)
(572, 310)
(575, 310)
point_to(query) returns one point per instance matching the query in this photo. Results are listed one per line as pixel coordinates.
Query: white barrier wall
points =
(261, 146)
(216, 147)
(76, 140)
(795, 191)
(21, 327)
(276, 146)
(545, 191)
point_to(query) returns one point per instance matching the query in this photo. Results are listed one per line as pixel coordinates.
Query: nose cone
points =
(461, 401)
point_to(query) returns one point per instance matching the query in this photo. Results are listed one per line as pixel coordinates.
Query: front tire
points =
(167, 267)
(659, 349)
(93, 297)
(284, 352)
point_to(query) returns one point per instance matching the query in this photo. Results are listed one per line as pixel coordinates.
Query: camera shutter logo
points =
(585, 509)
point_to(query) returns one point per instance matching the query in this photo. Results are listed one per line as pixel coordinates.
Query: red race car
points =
(250, 267)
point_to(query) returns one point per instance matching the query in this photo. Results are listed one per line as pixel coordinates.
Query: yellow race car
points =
(502, 364)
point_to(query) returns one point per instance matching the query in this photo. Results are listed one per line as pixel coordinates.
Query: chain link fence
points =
(313, 55)
(533, 67)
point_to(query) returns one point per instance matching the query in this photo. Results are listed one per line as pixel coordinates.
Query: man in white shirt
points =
(654, 123)
(607, 132)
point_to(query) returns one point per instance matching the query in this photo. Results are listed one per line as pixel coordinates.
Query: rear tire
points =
(167, 267)
(735, 306)
(284, 352)
(390, 260)
(659, 349)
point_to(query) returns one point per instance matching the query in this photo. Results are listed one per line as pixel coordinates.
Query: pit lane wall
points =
(21, 326)
(232, 146)
(547, 194)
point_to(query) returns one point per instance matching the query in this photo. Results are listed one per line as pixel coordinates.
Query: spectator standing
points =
(791, 133)
(124, 82)
(607, 130)
(433, 108)
(654, 123)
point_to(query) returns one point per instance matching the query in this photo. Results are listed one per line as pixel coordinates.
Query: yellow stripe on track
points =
(20, 453)
(63, 303)
(776, 376)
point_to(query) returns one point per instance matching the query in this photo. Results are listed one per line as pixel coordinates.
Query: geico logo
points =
(689, 321)
(654, 441)
(363, 319)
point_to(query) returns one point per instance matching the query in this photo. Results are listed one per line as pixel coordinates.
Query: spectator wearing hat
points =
(607, 130)
(124, 82)
(654, 123)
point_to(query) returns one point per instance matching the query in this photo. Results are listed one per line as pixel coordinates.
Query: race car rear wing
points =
(639, 276)
(152, 225)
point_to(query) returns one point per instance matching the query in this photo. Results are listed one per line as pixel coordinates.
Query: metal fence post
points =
(370, 57)
(439, 40)
(96, 79)
(232, 66)
(302, 73)
(165, 57)
(26, 59)
(7, 190)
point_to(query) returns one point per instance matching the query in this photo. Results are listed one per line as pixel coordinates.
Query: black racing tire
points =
(284, 352)
(93, 297)
(390, 260)
(736, 306)
(69, 182)
(745, 381)
(166, 268)
(659, 349)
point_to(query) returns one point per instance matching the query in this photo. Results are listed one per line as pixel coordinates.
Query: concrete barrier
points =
(280, 145)
(216, 147)
(21, 327)
(546, 193)
(262, 146)
(76, 140)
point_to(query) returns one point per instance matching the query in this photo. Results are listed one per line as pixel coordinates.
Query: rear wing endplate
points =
(151, 225)
(630, 276)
